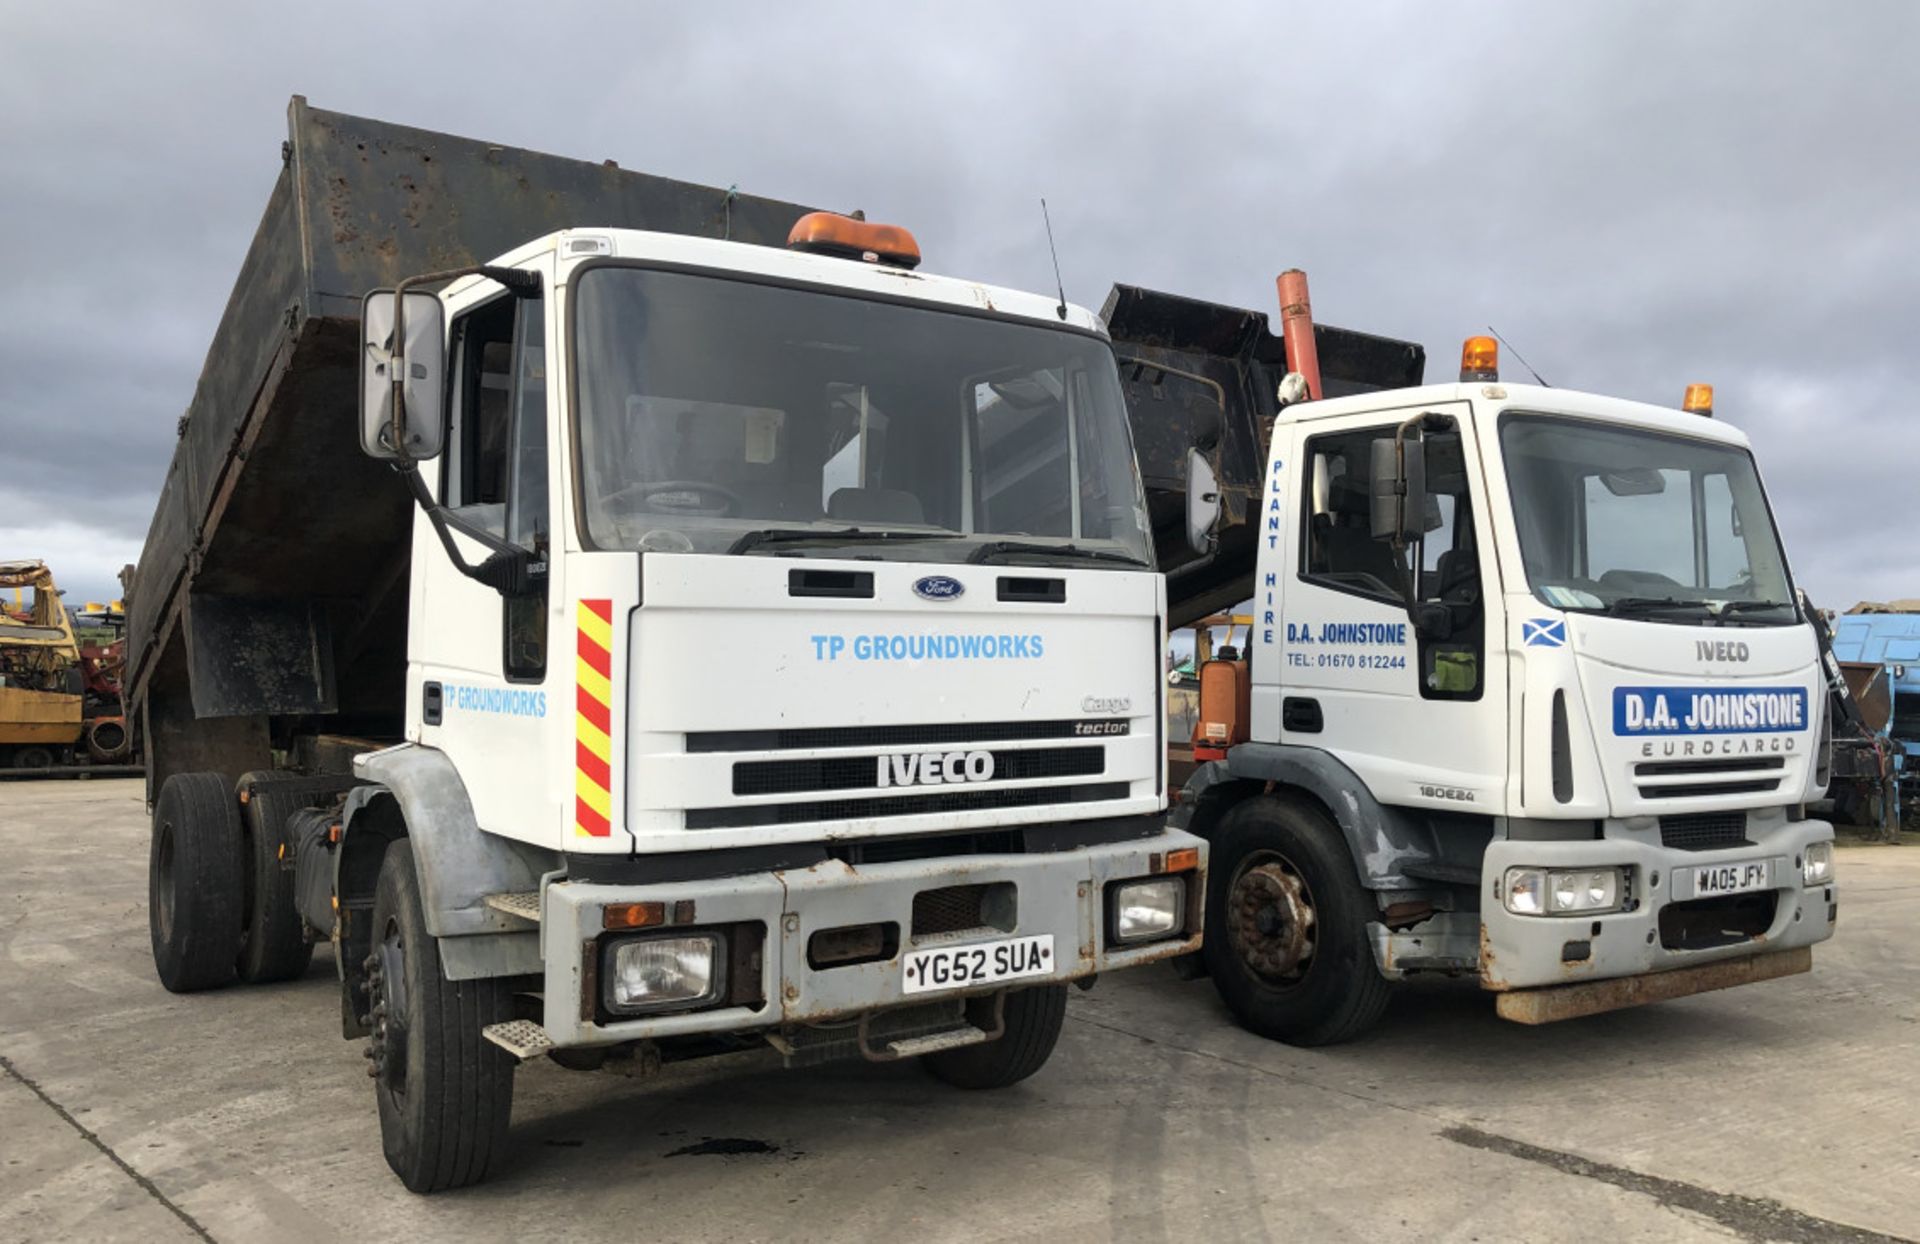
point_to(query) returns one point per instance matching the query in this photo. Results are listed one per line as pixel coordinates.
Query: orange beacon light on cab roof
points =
(830, 233)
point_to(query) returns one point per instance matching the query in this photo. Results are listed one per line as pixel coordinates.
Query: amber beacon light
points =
(1479, 360)
(829, 233)
(1699, 400)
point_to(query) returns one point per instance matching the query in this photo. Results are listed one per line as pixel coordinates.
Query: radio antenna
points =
(1523, 362)
(1061, 285)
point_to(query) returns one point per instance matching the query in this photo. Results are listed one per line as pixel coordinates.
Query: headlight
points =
(1816, 863)
(1145, 910)
(664, 973)
(1563, 892)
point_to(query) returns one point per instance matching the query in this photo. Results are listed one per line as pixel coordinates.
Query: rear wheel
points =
(443, 1090)
(1286, 941)
(33, 758)
(274, 945)
(194, 882)
(1033, 1017)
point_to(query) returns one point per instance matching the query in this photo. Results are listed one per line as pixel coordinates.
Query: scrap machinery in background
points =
(60, 698)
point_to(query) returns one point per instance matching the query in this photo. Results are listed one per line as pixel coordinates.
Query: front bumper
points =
(1532, 952)
(1063, 894)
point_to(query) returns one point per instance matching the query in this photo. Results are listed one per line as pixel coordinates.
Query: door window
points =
(495, 478)
(1442, 569)
(1339, 550)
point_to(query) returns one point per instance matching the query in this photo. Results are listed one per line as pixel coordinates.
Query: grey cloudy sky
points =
(1637, 195)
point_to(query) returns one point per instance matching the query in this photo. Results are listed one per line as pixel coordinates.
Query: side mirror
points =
(1203, 502)
(424, 422)
(1397, 490)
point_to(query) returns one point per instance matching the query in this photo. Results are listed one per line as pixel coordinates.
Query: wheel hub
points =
(386, 1050)
(1270, 921)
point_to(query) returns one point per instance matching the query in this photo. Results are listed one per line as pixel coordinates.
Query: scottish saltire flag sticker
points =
(1544, 632)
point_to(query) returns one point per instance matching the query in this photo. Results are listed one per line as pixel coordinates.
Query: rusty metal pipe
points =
(1296, 329)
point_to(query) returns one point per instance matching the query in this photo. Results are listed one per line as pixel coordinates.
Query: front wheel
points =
(1033, 1020)
(443, 1090)
(1286, 941)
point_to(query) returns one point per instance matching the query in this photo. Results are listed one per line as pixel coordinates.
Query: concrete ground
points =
(1785, 1111)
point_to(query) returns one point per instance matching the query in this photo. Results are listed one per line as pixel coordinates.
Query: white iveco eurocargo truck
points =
(1528, 697)
(781, 654)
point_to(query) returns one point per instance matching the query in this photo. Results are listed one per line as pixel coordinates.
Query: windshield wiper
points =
(1650, 604)
(846, 535)
(995, 548)
(1741, 606)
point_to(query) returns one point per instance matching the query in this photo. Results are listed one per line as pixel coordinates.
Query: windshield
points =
(1633, 522)
(722, 415)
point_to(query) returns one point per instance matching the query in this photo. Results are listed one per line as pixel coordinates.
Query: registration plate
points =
(978, 963)
(1739, 878)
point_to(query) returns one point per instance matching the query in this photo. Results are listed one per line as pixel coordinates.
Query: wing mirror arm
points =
(522, 284)
(1399, 502)
(508, 569)
(403, 415)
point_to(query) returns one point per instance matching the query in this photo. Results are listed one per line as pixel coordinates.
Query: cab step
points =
(934, 1042)
(524, 905)
(521, 1038)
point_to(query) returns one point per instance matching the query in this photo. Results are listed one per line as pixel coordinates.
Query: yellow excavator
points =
(42, 689)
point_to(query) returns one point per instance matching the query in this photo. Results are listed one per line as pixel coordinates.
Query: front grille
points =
(951, 909)
(1732, 764)
(861, 851)
(1704, 831)
(1675, 791)
(929, 735)
(1750, 775)
(1706, 923)
(937, 799)
(785, 777)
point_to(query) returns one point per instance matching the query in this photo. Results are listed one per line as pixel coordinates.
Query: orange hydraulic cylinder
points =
(1296, 329)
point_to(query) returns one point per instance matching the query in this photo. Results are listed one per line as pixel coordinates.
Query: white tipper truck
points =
(1528, 698)
(780, 659)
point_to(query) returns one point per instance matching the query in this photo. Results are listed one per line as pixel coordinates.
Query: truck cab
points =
(834, 640)
(1531, 701)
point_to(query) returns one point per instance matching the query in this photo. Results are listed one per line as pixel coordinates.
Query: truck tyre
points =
(273, 945)
(33, 758)
(1286, 939)
(194, 882)
(443, 1090)
(1033, 1017)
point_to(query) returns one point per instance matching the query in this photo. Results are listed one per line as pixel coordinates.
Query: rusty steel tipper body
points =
(271, 595)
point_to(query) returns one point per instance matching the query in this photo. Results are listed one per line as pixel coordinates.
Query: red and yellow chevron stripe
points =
(593, 721)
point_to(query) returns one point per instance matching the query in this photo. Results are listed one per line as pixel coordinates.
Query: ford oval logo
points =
(937, 587)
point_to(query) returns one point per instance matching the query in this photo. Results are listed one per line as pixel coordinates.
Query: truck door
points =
(487, 654)
(1415, 709)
